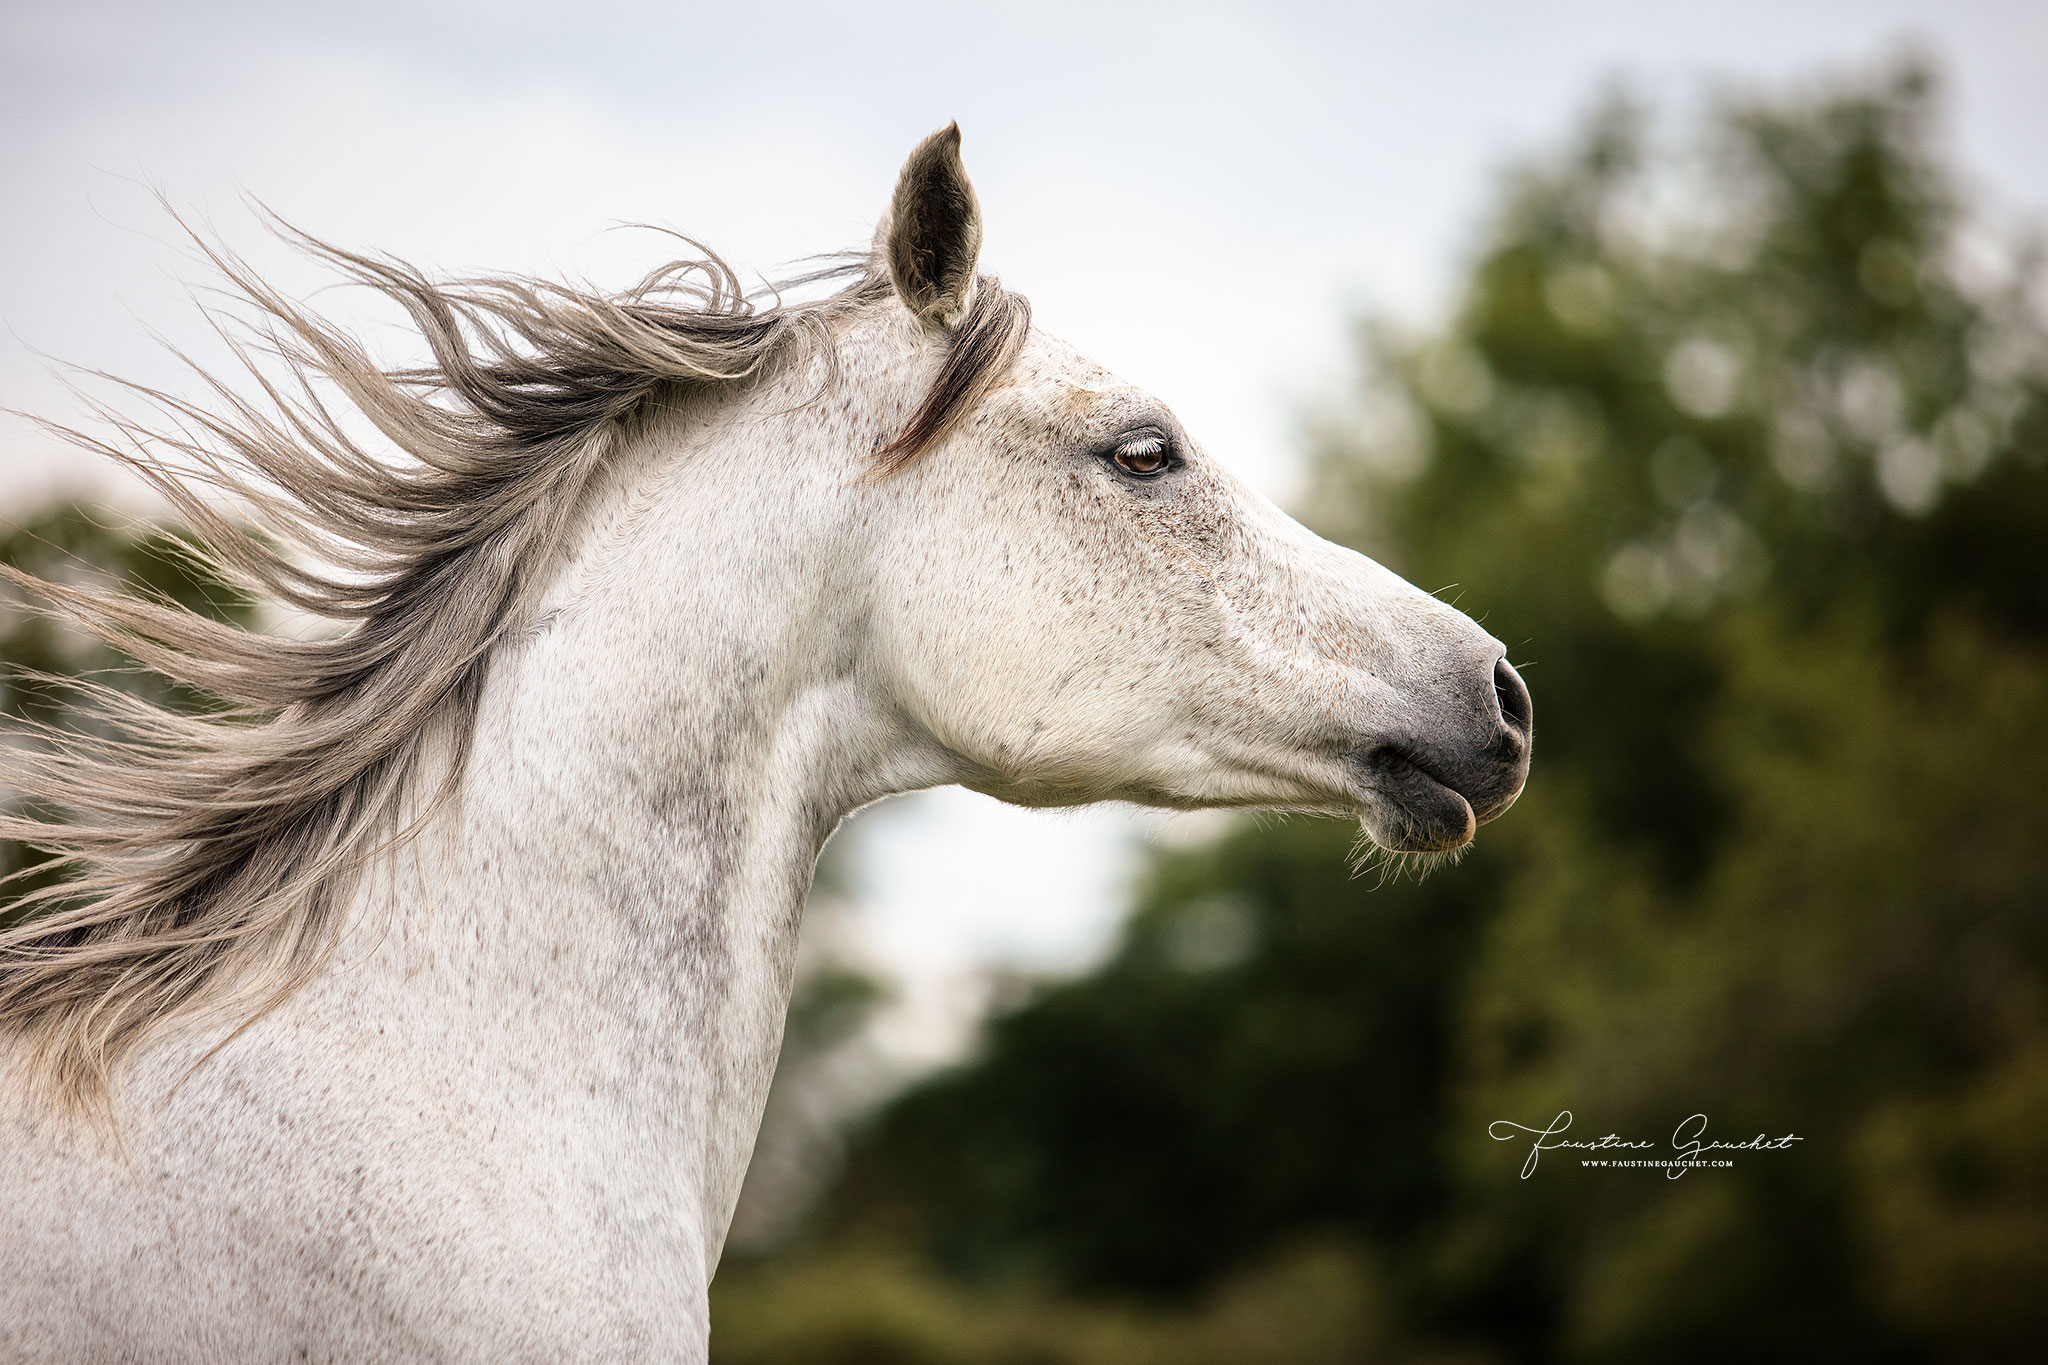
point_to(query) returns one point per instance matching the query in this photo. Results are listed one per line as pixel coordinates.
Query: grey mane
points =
(203, 858)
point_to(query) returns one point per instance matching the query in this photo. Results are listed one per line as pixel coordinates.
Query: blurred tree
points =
(1744, 449)
(37, 651)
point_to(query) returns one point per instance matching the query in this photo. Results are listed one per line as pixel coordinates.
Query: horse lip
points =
(1434, 815)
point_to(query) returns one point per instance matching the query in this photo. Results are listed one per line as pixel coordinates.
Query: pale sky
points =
(1197, 195)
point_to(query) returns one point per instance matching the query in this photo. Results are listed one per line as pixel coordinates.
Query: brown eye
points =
(1146, 456)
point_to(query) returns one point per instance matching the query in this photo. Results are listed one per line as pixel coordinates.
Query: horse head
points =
(1083, 604)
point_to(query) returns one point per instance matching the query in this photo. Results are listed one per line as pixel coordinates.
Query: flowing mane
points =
(203, 859)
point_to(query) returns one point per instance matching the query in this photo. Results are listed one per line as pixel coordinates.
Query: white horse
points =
(424, 1007)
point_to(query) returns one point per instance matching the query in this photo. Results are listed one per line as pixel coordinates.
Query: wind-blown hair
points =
(203, 859)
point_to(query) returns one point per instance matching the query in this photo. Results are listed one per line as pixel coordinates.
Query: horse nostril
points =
(1513, 696)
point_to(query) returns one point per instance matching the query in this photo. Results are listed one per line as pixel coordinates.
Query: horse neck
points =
(605, 916)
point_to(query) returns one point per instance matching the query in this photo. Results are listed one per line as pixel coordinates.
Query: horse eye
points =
(1145, 456)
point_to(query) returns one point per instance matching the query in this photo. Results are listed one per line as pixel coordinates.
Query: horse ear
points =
(933, 235)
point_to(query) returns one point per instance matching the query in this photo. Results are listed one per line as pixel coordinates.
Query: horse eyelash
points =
(1146, 441)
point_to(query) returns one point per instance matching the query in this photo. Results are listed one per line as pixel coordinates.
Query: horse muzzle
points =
(1456, 763)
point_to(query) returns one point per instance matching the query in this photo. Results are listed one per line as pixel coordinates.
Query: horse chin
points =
(1414, 813)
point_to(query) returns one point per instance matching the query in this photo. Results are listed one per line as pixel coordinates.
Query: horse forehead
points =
(1054, 379)
(1045, 358)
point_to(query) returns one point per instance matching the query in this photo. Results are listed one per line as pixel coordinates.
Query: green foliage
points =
(1266, 1056)
(70, 544)
(1315, 1305)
